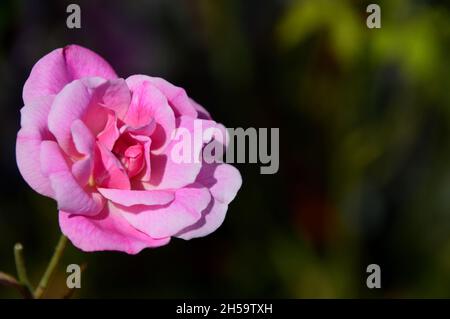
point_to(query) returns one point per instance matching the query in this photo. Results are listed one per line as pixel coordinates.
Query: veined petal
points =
(28, 145)
(223, 181)
(137, 197)
(148, 103)
(108, 171)
(69, 195)
(106, 231)
(168, 220)
(60, 67)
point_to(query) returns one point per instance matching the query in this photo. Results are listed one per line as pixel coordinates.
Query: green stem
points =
(20, 266)
(10, 281)
(51, 267)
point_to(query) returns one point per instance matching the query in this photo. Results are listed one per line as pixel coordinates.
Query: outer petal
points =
(105, 231)
(171, 172)
(170, 169)
(68, 193)
(177, 97)
(167, 220)
(61, 66)
(137, 197)
(202, 112)
(212, 217)
(223, 181)
(28, 145)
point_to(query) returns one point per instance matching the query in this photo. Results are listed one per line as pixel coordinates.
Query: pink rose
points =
(100, 146)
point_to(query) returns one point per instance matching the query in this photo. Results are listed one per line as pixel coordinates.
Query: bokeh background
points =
(364, 118)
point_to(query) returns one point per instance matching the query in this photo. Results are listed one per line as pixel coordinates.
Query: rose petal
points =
(223, 181)
(114, 95)
(137, 197)
(108, 171)
(110, 133)
(167, 220)
(106, 231)
(82, 137)
(177, 97)
(146, 142)
(82, 100)
(148, 103)
(82, 170)
(212, 218)
(84, 143)
(68, 193)
(28, 145)
(202, 112)
(70, 104)
(170, 169)
(60, 67)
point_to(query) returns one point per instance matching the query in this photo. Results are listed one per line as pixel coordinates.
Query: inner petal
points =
(133, 160)
(130, 151)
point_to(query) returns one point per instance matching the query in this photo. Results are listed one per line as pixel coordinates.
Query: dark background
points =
(364, 118)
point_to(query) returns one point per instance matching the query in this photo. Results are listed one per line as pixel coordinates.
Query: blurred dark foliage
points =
(364, 118)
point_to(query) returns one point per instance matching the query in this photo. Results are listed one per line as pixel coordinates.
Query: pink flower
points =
(100, 146)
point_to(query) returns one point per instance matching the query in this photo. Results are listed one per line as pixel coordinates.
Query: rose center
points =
(131, 156)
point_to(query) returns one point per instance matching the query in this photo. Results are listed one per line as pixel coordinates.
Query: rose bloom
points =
(101, 147)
